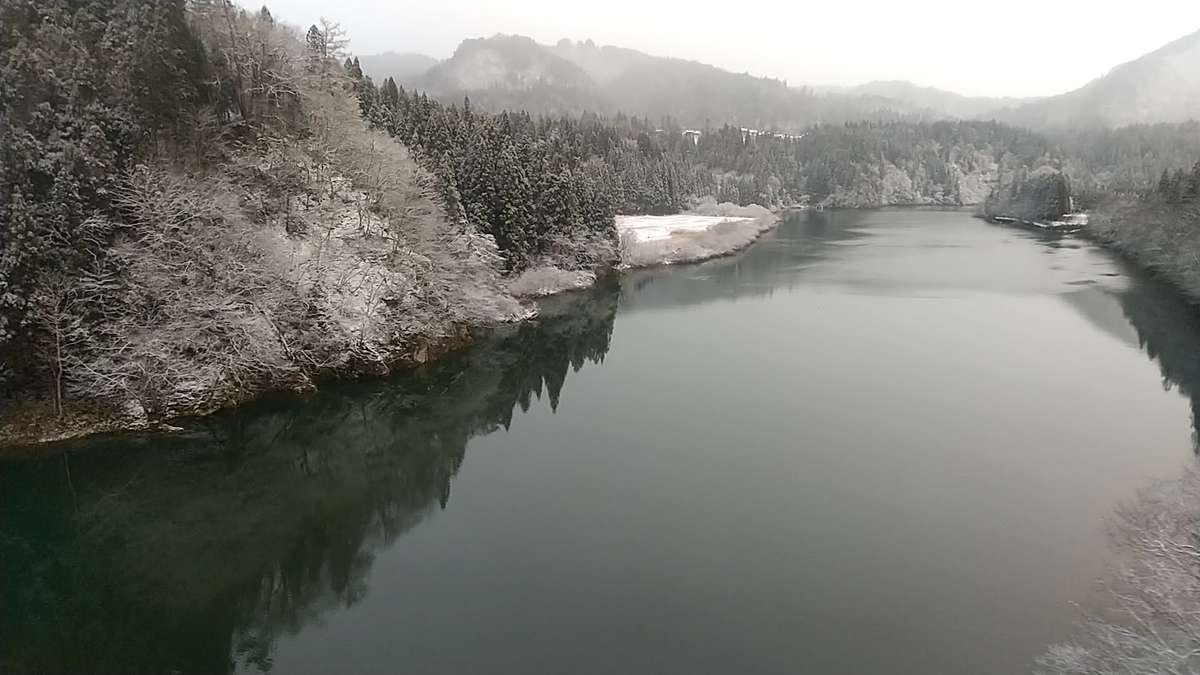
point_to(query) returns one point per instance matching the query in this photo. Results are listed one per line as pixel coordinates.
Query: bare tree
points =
(1153, 623)
(333, 39)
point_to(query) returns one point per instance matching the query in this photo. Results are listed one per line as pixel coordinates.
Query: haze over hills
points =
(505, 62)
(515, 72)
(404, 68)
(1162, 86)
(948, 102)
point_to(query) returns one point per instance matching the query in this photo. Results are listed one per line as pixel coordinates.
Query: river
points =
(874, 442)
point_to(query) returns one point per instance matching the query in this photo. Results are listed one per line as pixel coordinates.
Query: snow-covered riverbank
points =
(647, 241)
(656, 228)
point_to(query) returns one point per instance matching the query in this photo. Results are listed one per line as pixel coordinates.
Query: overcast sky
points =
(1009, 48)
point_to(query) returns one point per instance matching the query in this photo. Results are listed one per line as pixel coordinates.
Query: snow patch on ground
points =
(657, 228)
(669, 240)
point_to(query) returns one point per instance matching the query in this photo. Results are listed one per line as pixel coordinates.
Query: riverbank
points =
(695, 238)
(708, 230)
(29, 427)
(1152, 624)
(279, 494)
(1163, 239)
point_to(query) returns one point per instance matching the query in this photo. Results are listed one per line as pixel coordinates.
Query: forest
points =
(635, 165)
(192, 212)
(199, 204)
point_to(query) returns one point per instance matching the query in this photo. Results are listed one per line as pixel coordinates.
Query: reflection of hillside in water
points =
(193, 554)
(1168, 329)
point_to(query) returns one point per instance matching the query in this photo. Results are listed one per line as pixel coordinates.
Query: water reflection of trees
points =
(194, 554)
(1168, 329)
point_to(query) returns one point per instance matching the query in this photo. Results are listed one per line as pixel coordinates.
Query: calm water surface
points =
(875, 442)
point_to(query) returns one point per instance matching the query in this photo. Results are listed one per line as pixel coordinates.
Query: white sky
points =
(1006, 48)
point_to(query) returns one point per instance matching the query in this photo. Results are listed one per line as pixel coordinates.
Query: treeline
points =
(1179, 186)
(659, 166)
(529, 181)
(1043, 195)
(1128, 159)
(545, 186)
(522, 181)
(868, 163)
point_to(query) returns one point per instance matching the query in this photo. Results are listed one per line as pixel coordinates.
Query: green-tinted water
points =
(874, 442)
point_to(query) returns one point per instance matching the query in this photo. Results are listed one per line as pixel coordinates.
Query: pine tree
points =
(390, 94)
(315, 40)
(1192, 193)
(1180, 183)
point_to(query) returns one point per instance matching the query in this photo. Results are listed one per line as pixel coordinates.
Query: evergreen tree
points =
(315, 40)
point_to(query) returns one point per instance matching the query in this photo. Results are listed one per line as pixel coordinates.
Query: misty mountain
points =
(931, 98)
(602, 64)
(1162, 86)
(505, 62)
(512, 72)
(515, 72)
(403, 68)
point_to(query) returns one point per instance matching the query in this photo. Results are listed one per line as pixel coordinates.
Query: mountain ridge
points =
(1160, 86)
(403, 67)
(514, 72)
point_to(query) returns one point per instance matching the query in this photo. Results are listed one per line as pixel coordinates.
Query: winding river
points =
(874, 442)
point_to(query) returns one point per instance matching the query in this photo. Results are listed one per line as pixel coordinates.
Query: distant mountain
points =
(404, 68)
(505, 62)
(940, 100)
(602, 64)
(1162, 86)
(514, 72)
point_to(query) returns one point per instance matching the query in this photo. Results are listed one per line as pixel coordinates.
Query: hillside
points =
(507, 72)
(1162, 86)
(931, 98)
(504, 62)
(602, 63)
(403, 68)
(258, 248)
